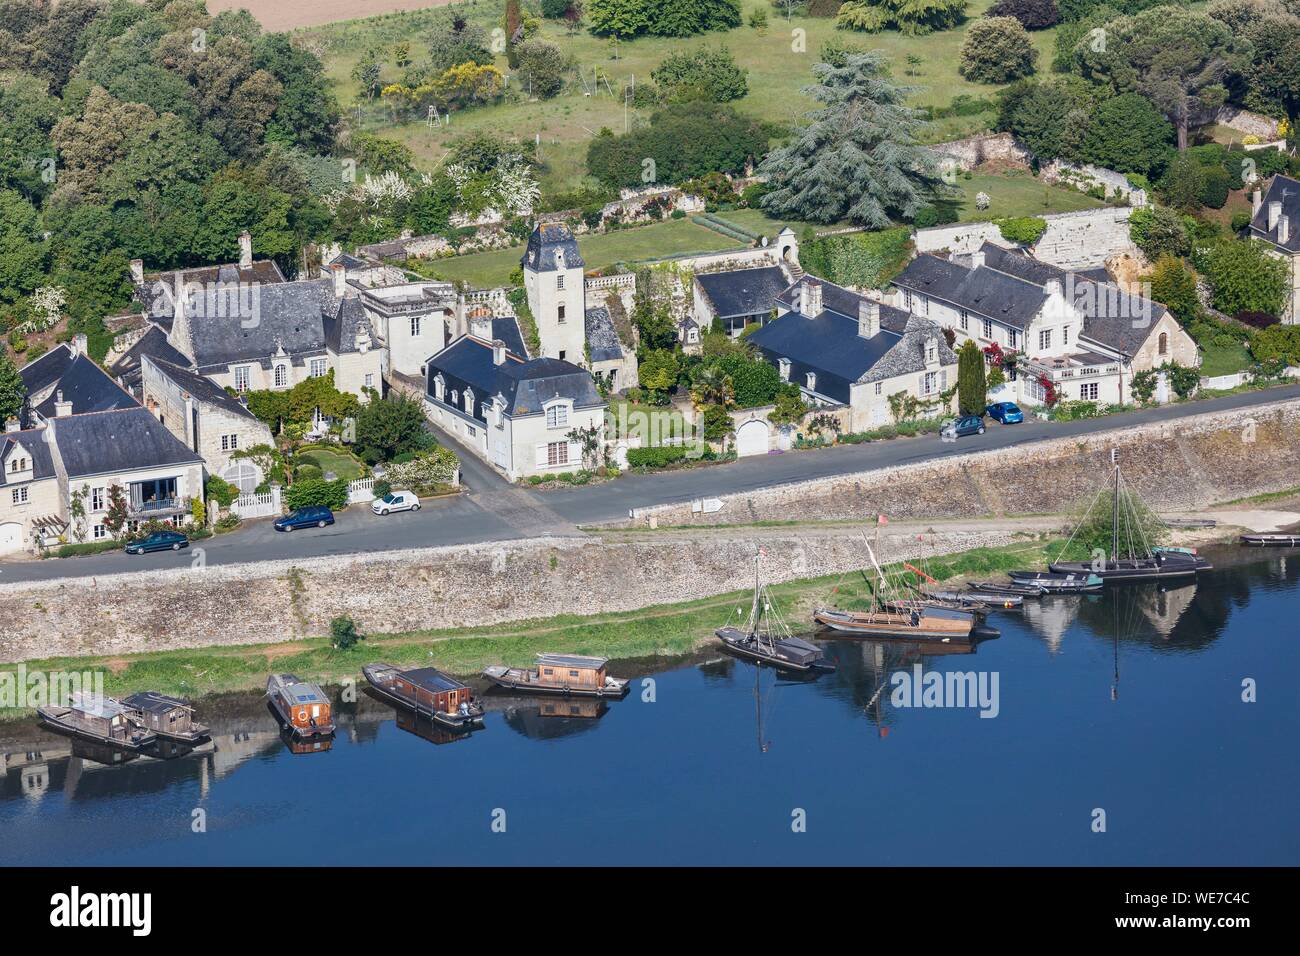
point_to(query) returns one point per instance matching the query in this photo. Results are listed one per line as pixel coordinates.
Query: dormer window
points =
(931, 351)
(784, 366)
(17, 465)
(557, 416)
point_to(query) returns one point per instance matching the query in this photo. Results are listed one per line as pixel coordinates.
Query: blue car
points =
(1008, 413)
(966, 425)
(317, 515)
(159, 541)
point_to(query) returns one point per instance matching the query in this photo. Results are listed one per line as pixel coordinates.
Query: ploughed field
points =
(292, 14)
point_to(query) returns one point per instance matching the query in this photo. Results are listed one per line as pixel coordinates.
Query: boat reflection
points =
(294, 742)
(552, 718)
(426, 729)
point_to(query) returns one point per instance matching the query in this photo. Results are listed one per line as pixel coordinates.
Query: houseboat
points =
(766, 640)
(564, 675)
(168, 717)
(98, 720)
(302, 707)
(428, 692)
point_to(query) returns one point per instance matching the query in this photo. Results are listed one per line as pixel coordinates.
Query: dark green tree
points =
(388, 427)
(972, 385)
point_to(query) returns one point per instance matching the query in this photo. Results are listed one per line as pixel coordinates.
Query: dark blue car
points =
(159, 541)
(1008, 413)
(966, 425)
(317, 515)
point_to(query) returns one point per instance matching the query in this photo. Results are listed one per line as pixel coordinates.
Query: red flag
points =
(881, 519)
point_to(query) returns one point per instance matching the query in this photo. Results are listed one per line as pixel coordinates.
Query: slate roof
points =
(602, 337)
(525, 385)
(342, 327)
(1285, 190)
(202, 388)
(507, 330)
(743, 291)
(157, 292)
(33, 440)
(546, 238)
(154, 344)
(43, 372)
(982, 291)
(88, 387)
(290, 316)
(125, 439)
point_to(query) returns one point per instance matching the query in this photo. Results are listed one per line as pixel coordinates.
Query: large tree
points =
(858, 157)
(1177, 58)
(972, 383)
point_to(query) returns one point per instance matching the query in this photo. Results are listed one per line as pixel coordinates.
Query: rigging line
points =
(1082, 521)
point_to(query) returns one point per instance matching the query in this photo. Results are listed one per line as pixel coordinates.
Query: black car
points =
(159, 541)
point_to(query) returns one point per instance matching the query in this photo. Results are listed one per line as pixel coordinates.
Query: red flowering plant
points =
(1050, 395)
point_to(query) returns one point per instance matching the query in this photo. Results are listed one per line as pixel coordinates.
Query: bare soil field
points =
(291, 14)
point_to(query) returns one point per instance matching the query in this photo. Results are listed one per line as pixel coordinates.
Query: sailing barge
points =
(428, 692)
(168, 717)
(766, 640)
(98, 720)
(303, 708)
(564, 675)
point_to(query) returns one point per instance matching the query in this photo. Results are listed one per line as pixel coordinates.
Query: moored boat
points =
(1271, 540)
(1012, 588)
(974, 601)
(565, 675)
(98, 720)
(920, 623)
(1059, 583)
(428, 692)
(766, 640)
(168, 717)
(302, 707)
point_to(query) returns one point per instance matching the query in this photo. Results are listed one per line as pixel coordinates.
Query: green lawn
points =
(778, 61)
(327, 459)
(658, 240)
(651, 423)
(1018, 193)
(1224, 360)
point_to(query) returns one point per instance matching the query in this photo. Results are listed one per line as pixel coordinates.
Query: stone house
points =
(31, 508)
(65, 381)
(1276, 223)
(730, 301)
(512, 412)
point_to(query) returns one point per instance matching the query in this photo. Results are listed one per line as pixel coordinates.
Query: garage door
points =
(751, 439)
(11, 537)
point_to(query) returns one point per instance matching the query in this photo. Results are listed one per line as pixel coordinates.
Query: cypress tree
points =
(972, 386)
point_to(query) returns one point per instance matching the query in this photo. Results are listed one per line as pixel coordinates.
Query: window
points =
(562, 354)
(929, 383)
(964, 318)
(472, 432)
(1045, 339)
(370, 380)
(415, 326)
(557, 453)
(988, 329)
(1164, 343)
(1013, 338)
(559, 282)
(1088, 391)
(317, 369)
(907, 299)
(880, 388)
(1065, 334)
(931, 352)
(97, 499)
(557, 416)
(559, 314)
(281, 376)
(241, 378)
(469, 402)
(922, 305)
(99, 532)
(20, 495)
(455, 396)
(229, 442)
(18, 464)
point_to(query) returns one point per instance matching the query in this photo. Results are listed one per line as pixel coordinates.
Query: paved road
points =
(494, 510)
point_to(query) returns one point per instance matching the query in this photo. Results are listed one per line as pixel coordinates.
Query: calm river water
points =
(1127, 703)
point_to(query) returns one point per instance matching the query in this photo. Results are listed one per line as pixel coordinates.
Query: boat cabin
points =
(571, 670)
(162, 714)
(101, 716)
(431, 687)
(305, 706)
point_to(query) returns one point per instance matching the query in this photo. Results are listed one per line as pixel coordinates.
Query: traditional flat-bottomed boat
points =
(302, 707)
(98, 720)
(1009, 588)
(920, 623)
(428, 692)
(563, 675)
(1271, 540)
(766, 640)
(1060, 583)
(168, 717)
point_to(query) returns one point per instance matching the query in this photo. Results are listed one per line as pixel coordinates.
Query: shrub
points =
(1025, 230)
(1214, 187)
(381, 488)
(684, 141)
(344, 633)
(936, 214)
(701, 74)
(655, 457)
(1243, 277)
(542, 67)
(306, 472)
(221, 491)
(1032, 14)
(1159, 231)
(316, 492)
(437, 466)
(667, 18)
(997, 50)
(913, 17)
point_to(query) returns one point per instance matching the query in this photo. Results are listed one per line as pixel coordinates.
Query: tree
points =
(624, 19)
(116, 514)
(658, 374)
(912, 17)
(542, 67)
(1130, 135)
(23, 251)
(789, 407)
(344, 633)
(1243, 277)
(1051, 117)
(997, 50)
(858, 157)
(1174, 286)
(1183, 184)
(683, 141)
(1032, 14)
(972, 387)
(388, 427)
(700, 74)
(1177, 58)
(12, 390)
(717, 423)
(712, 386)
(1158, 230)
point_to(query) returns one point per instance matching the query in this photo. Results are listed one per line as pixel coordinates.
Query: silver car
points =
(396, 501)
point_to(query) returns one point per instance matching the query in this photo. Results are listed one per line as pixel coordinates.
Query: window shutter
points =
(943, 380)
(541, 454)
(575, 452)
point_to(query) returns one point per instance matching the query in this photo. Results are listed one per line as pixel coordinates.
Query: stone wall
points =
(1085, 239)
(975, 150)
(400, 591)
(1186, 464)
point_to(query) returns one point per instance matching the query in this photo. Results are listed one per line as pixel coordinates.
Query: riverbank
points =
(665, 630)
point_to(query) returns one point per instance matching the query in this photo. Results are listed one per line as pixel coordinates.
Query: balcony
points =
(157, 507)
(1073, 368)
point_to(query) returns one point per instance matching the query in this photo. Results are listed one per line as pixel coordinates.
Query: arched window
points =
(1164, 343)
(244, 475)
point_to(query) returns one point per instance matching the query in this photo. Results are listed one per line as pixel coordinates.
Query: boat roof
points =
(572, 660)
(305, 694)
(96, 705)
(154, 702)
(430, 678)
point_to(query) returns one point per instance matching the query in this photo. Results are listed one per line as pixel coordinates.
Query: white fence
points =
(361, 490)
(257, 506)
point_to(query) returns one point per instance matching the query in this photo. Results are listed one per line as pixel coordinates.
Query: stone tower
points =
(556, 296)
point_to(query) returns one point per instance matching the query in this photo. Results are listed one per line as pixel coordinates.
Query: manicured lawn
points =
(670, 237)
(1018, 193)
(1224, 360)
(651, 423)
(778, 61)
(326, 459)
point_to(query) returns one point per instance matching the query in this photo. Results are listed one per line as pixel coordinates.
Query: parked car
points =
(317, 515)
(159, 541)
(396, 501)
(966, 425)
(1008, 413)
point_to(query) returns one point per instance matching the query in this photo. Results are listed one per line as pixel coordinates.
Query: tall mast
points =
(1114, 518)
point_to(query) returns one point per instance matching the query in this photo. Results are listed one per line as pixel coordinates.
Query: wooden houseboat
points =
(98, 720)
(427, 691)
(303, 707)
(168, 717)
(564, 675)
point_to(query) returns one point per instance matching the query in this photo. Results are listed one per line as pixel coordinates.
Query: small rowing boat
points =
(1059, 583)
(1272, 540)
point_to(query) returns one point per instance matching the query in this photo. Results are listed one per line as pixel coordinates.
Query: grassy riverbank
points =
(661, 631)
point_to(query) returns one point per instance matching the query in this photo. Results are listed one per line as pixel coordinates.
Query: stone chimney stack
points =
(1274, 214)
(80, 344)
(340, 275)
(977, 259)
(245, 250)
(1256, 202)
(480, 323)
(137, 271)
(62, 409)
(811, 304)
(498, 352)
(1283, 229)
(868, 318)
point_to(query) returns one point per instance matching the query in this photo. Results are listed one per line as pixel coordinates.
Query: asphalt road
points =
(495, 510)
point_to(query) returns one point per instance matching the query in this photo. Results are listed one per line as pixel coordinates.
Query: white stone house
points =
(1276, 222)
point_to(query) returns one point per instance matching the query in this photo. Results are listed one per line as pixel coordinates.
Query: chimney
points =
(340, 279)
(79, 344)
(868, 318)
(245, 250)
(137, 271)
(62, 409)
(11, 424)
(977, 259)
(1283, 229)
(1274, 213)
(811, 304)
(1052, 287)
(480, 324)
(1256, 202)
(191, 438)
(498, 352)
